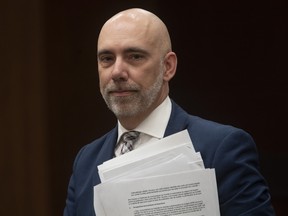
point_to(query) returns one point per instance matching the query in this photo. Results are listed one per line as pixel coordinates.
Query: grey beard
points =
(137, 103)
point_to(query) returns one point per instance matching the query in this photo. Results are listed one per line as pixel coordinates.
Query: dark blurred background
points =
(232, 62)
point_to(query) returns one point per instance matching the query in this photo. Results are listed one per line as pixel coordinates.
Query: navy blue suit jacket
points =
(231, 151)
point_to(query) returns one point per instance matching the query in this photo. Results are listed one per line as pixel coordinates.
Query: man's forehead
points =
(125, 36)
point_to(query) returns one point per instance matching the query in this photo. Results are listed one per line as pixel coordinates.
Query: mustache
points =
(121, 87)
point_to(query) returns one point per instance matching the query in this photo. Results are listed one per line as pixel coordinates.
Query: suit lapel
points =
(106, 152)
(177, 121)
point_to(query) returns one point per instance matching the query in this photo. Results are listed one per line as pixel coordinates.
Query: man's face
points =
(130, 69)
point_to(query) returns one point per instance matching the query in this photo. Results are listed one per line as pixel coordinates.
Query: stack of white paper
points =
(164, 178)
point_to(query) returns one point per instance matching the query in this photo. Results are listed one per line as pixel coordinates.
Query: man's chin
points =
(125, 111)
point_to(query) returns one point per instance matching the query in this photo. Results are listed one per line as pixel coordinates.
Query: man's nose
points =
(119, 70)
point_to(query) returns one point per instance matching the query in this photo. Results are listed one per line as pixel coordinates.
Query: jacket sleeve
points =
(70, 207)
(241, 187)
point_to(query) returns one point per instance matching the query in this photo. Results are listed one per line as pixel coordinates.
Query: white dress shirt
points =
(152, 128)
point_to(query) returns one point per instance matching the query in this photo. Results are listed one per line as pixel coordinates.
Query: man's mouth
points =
(122, 93)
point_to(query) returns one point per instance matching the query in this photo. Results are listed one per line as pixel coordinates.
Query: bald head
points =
(139, 23)
(135, 64)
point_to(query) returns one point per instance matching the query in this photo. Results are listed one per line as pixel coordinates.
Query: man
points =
(135, 65)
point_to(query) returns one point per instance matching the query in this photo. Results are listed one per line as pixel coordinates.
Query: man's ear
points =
(170, 63)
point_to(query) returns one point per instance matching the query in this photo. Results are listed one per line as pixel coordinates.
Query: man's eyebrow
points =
(101, 52)
(135, 49)
(127, 50)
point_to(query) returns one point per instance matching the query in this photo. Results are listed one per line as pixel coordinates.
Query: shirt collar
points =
(155, 124)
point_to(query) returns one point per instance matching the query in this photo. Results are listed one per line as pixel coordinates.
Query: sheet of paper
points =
(160, 168)
(166, 177)
(154, 148)
(187, 153)
(191, 193)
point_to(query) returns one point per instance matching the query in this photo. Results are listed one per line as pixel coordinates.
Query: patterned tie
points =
(127, 141)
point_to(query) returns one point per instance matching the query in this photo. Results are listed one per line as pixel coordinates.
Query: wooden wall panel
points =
(24, 168)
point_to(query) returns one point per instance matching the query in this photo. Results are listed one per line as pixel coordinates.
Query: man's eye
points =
(106, 59)
(136, 57)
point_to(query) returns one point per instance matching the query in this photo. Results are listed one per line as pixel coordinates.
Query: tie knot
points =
(127, 141)
(130, 136)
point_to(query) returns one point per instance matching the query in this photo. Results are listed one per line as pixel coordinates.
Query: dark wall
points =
(232, 59)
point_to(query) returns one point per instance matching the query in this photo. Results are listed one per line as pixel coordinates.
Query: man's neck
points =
(131, 122)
